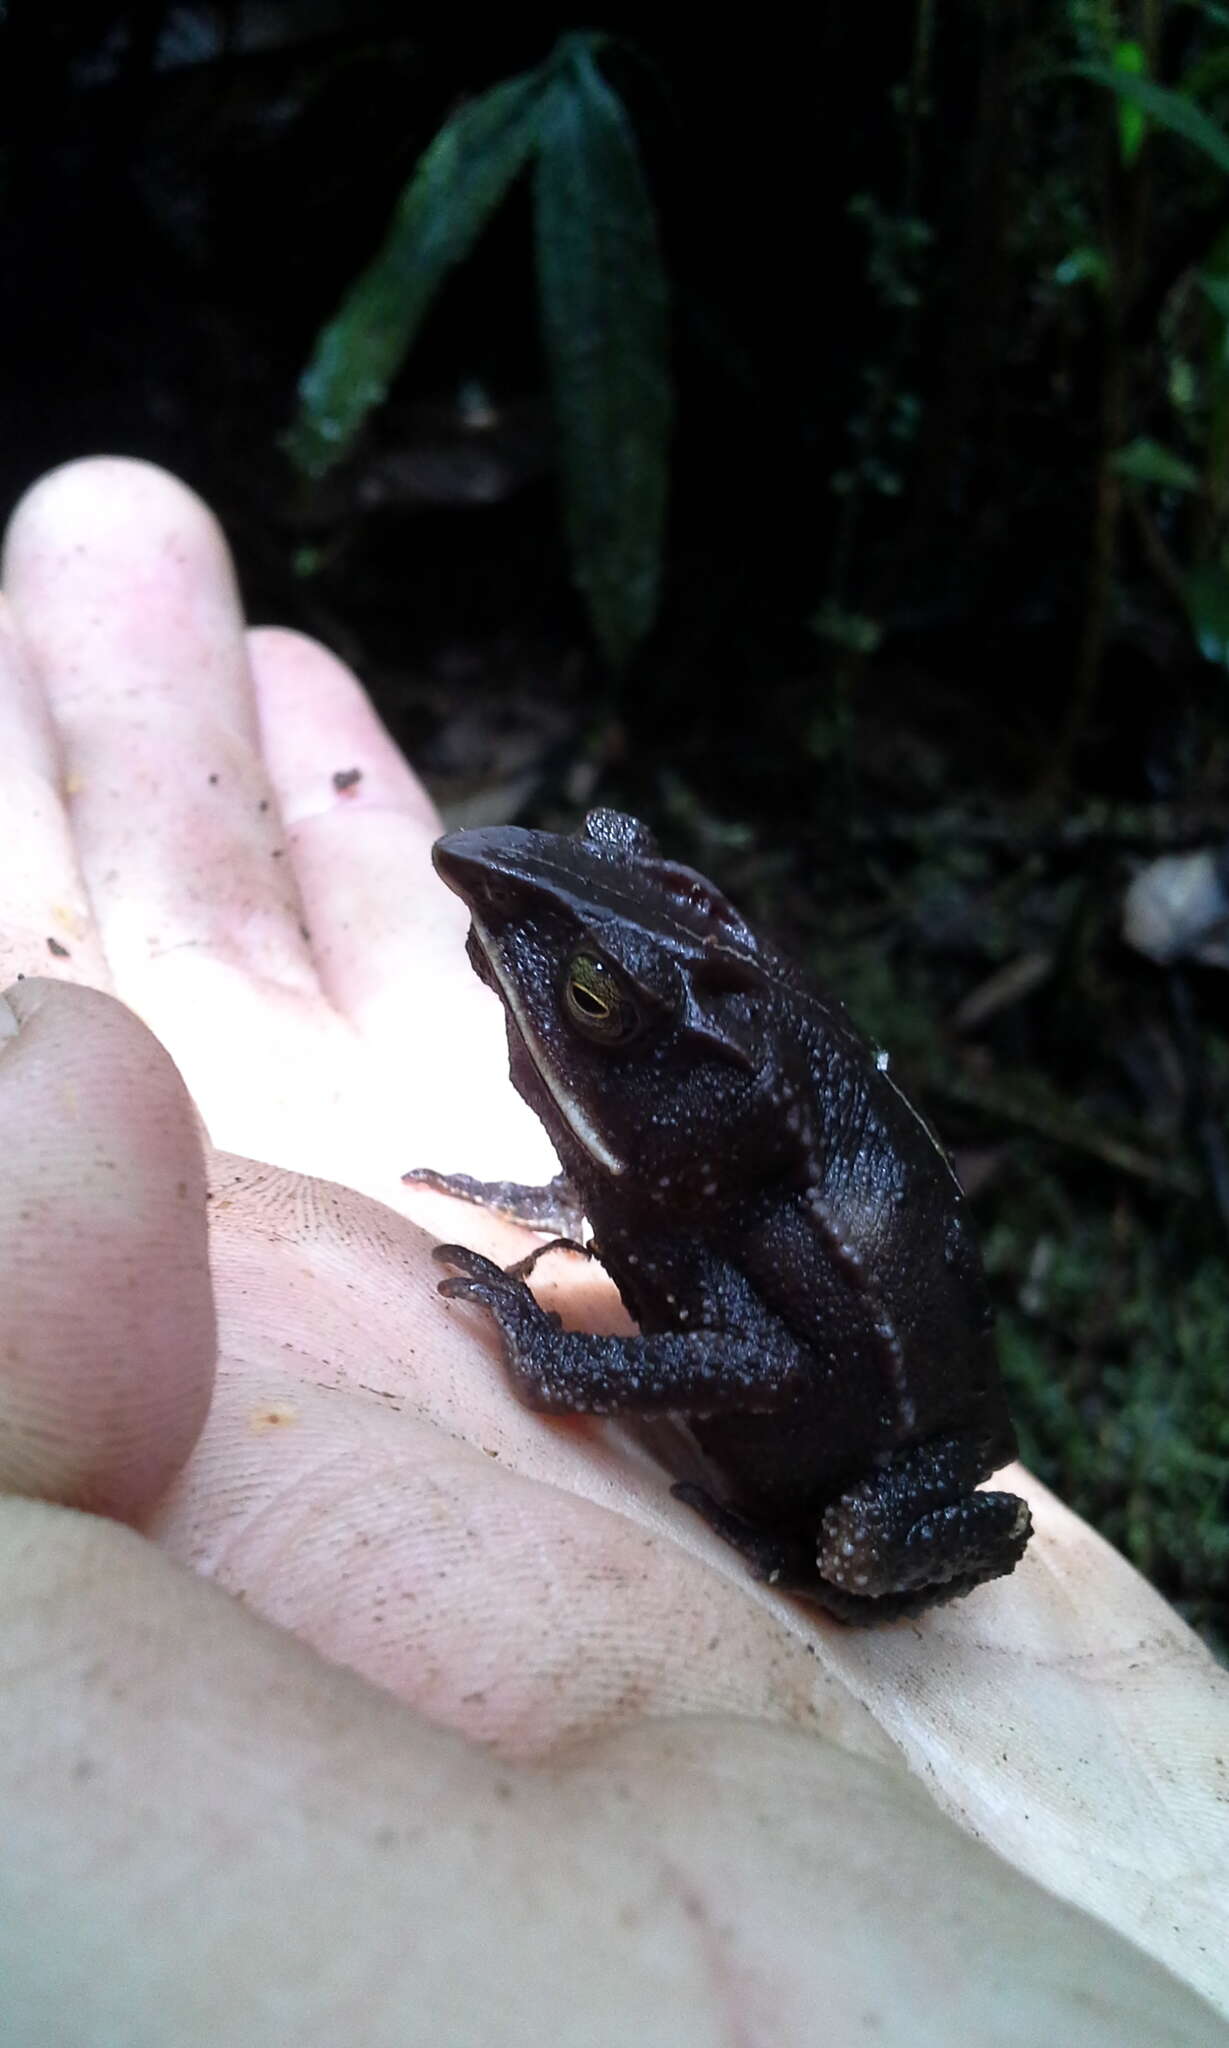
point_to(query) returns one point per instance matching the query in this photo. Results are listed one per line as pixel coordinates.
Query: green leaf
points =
(1207, 605)
(852, 630)
(1169, 109)
(1208, 74)
(604, 322)
(1129, 61)
(1216, 289)
(458, 183)
(1147, 462)
(1084, 265)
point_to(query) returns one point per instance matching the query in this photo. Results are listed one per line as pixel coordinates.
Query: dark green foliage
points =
(1146, 462)
(1205, 589)
(1176, 111)
(1199, 389)
(1118, 1386)
(447, 203)
(603, 308)
(603, 298)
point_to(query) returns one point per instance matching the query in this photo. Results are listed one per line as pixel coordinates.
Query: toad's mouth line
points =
(568, 1104)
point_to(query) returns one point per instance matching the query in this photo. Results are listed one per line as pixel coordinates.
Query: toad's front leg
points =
(556, 1206)
(566, 1372)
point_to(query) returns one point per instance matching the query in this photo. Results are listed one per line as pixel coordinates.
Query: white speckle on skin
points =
(881, 1061)
(863, 1579)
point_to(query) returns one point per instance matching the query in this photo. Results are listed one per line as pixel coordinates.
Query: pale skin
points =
(364, 1705)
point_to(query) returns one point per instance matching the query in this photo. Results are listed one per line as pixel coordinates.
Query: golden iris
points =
(596, 1003)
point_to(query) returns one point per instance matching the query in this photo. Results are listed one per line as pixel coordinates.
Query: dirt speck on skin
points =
(273, 1415)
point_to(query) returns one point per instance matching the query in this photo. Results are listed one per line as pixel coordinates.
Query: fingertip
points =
(102, 494)
(324, 742)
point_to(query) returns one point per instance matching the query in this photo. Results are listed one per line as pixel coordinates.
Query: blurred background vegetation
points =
(821, 448)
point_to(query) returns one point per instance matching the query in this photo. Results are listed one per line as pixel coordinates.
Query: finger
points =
(361, 852)
(108, 1352)
(210, 1834)
(45, 922)
(387, 938)
(126, 602)
(124, 597)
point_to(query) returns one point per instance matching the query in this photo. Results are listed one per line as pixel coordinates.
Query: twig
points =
(1064, 1125)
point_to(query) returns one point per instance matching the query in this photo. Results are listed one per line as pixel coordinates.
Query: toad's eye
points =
(596, 1004)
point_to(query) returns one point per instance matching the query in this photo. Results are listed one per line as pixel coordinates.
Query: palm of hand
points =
(364, 1477)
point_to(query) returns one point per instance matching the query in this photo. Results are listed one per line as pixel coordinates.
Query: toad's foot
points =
(918, 1526)
(914, 1535)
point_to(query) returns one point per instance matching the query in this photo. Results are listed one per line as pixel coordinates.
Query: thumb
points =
(106, 1362)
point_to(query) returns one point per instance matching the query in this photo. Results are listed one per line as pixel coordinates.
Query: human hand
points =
(364, 1479)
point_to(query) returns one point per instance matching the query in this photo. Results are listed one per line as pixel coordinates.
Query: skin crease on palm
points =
(362, 1704)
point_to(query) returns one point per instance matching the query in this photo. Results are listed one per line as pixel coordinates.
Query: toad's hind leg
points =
(786, 1560)
(778, 1556)
(914, 1535)
(918, 1529)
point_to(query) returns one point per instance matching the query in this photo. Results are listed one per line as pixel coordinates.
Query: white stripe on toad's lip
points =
(572, 1111)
